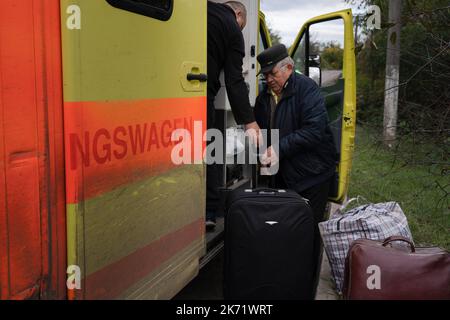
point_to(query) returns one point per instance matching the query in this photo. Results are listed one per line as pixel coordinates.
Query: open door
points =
(324, 51)
(264, 36)
(264, 42)
(32, 195)
(134, 71)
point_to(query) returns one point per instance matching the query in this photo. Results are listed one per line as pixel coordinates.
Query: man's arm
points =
(234, 81)
(314, 119)
(259, 113)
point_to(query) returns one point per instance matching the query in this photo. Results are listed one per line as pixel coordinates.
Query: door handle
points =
(200, 77)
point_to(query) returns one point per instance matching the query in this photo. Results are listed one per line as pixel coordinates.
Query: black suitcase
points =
(268, 245)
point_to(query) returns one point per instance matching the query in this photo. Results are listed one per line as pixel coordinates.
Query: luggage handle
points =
(263, 190)
(254, 172)
(348, 202)
(267, 192)
(399, 238)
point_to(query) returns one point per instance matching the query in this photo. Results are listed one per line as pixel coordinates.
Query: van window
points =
(158, 9)
(299, 56)
(263, 45)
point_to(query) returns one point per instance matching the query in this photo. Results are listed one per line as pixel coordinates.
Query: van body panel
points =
(131, 209)
(32, 199)
(348, 113)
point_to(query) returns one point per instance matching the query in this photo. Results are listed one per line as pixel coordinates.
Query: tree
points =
(423, 90)
(332, 56)
(392, 73)
(274, 35)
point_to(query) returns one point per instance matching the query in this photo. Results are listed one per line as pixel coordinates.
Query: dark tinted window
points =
(158, 9)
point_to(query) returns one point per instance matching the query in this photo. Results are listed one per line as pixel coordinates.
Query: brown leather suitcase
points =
(377, 270)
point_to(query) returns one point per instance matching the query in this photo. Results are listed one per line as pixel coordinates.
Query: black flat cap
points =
(271, 56)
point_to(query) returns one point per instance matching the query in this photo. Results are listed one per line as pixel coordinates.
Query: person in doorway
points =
(307, 158)
(226, 51)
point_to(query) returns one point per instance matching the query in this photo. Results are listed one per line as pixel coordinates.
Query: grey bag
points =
(371, 221)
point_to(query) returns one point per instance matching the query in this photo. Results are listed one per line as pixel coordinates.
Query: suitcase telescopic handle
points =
(254, 181)
(399, 238)
(265, 191)
(254, 169)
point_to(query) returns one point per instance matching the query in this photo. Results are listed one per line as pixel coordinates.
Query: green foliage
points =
(424, 93)
(332, 56)
(416, 172)
(274, 36)
(421, 189)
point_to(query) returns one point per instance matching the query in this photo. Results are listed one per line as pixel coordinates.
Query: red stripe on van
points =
(111, 281)
(114, 143)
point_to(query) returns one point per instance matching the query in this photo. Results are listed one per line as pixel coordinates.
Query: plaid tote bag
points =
(377, 221)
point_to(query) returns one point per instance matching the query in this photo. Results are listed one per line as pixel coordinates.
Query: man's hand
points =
(254, 132)
(269, 158)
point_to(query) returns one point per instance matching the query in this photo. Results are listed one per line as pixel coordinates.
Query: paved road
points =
(329, 77)
(208, 284)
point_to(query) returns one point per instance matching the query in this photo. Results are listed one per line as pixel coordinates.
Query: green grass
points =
(405, 175)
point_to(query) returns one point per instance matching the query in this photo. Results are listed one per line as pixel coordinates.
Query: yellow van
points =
(92, 207)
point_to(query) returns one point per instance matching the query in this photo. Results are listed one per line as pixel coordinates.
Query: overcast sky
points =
(287, 16)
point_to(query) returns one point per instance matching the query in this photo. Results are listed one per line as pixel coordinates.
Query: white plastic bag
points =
(235, 143)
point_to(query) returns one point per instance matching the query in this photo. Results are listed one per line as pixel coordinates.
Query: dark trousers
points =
(212, 171)
(212, 190)
(318, 197)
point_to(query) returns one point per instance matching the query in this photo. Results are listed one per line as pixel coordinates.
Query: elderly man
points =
(225, 52)
(293, 104)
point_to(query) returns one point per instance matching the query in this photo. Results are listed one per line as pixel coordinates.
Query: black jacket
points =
(307, 150)
(226, 50)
